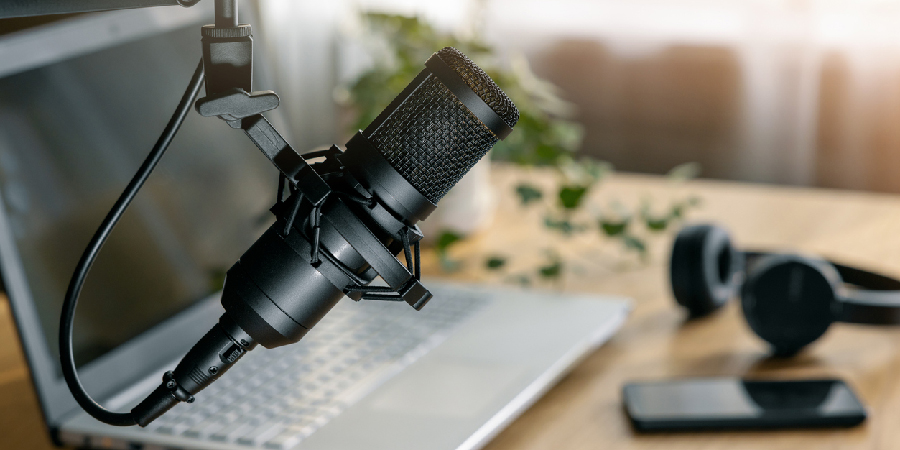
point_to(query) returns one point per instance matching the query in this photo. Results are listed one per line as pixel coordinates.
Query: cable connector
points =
(176, 389)
(208, 359)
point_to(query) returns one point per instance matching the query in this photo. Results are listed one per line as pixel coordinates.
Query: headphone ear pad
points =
(705, 269)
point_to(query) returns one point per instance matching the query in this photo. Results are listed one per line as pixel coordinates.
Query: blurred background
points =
(775, 91)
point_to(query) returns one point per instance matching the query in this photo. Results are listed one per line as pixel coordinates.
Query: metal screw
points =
(213, 370)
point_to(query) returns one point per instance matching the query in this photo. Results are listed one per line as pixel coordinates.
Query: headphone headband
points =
(788, 300)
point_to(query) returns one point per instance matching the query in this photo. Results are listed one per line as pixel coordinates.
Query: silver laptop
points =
(81, 102)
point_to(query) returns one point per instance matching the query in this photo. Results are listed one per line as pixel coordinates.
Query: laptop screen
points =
(72, 134)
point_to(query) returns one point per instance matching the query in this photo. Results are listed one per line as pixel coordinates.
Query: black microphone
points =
(391, 175)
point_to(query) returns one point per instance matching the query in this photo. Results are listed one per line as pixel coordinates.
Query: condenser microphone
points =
(391, 175)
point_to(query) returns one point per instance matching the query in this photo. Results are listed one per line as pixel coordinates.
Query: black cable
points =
(90, 254)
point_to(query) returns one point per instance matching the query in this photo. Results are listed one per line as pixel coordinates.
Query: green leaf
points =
(656, 223)
(677, 211)
(528, 193)
(495, 262)
(570, 197)
(684, 172)
(564, 226)
(613, 228)
(552, 270)
(616, 220)
(445, 240)
(548, 152)
(635, 244)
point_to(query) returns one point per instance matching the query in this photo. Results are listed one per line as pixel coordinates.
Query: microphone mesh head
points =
(431, 138)
(482, 84)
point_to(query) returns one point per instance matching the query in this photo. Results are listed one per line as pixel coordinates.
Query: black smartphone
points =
(733, 403)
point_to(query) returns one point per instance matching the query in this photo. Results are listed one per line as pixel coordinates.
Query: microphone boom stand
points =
(228, 66)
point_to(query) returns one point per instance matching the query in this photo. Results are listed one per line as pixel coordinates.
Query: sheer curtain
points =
(779, 91)
(794, 92)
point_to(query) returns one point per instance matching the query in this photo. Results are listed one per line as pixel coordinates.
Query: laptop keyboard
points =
(275, 398)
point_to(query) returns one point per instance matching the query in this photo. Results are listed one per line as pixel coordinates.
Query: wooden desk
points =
(584, 410)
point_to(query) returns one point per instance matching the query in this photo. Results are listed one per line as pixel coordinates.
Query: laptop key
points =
(173, 429)
(204, 429)
(285, 440)
(229, 417)
(232, 433)
(262, 434)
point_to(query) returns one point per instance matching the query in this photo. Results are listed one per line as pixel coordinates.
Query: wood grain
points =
(584, 410)
(21, 424)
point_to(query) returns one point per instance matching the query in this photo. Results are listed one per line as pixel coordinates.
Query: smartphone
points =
(706, 404)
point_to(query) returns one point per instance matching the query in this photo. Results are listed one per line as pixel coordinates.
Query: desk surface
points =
(584, 410)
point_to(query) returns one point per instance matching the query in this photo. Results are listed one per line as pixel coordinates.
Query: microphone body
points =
(391, 175)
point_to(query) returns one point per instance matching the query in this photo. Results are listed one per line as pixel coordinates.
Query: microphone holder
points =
(242, 110)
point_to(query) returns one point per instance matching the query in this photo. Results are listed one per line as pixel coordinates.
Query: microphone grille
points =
(482, 84)
(431, 138)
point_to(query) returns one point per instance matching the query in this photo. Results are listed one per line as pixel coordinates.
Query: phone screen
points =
(733, 403)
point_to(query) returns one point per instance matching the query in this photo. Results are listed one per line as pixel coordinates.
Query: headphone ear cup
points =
(705, 269)
(790, 301)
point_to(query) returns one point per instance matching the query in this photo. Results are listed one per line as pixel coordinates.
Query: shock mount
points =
(228, 59)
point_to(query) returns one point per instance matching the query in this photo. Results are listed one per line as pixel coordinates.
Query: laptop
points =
(81, 102)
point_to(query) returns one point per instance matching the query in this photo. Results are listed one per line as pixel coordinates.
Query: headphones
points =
(788, 300)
